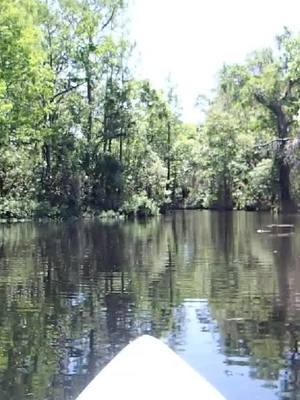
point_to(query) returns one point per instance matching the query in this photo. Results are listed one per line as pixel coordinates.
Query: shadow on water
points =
(222, 295)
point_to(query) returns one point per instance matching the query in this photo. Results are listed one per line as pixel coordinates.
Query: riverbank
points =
(111, 215)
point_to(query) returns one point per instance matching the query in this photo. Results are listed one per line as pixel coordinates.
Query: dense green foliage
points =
(251, 132)
(80, 135)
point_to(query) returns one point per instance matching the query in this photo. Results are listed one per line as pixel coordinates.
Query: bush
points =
(260, 191)
(140, 206)
(16, 209)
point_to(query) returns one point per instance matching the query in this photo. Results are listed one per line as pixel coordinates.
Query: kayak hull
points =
(148, 369)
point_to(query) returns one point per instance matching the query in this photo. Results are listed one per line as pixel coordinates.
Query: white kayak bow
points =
(147, 369)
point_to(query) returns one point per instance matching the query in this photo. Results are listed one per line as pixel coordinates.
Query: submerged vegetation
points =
(80, 135)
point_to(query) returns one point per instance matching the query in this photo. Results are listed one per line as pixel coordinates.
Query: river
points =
(223, 296)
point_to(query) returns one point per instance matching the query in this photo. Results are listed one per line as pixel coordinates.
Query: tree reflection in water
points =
(72, 295)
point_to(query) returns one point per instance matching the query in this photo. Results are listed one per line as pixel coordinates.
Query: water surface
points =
(223, 296)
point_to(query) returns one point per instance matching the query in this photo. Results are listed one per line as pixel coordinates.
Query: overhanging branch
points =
(291, 83)
(109, 19)
(278, 140)
(67, 90)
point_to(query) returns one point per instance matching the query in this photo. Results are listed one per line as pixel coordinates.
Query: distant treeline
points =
(79, 135)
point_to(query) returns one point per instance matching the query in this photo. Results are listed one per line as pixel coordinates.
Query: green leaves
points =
(91, 136)
(22, 71)
(257, 102)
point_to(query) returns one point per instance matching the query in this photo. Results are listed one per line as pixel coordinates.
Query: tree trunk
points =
(47, 158)
(169, 157)
(121, 148)
(90, 100)
(89, 93)
(228, 205)
(89, 96)
(106, 120)
(104, 145)
(287, 205)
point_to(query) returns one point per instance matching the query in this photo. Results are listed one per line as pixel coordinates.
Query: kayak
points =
(148, 369)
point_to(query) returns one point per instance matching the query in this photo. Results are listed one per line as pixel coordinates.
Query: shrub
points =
(140, 206)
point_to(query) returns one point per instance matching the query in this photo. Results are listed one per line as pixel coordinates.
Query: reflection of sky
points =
(198, 343)
(74, 366)
(77, 352)
(78, 299)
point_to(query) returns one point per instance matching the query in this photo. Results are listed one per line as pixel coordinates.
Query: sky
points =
(190, 40)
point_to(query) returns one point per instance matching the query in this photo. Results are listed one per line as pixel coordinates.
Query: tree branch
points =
(109, 19)
(261, 99)
(271, 105)
(65, 91)
(291, 83)
(287, 90)
(278, 140)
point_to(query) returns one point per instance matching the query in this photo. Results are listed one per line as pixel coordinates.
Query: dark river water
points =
(223, 296)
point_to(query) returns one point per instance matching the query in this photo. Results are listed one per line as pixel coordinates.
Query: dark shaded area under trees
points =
(80, 135)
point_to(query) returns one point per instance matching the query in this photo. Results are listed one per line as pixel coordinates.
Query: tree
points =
(23, 84)
(273, 82)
